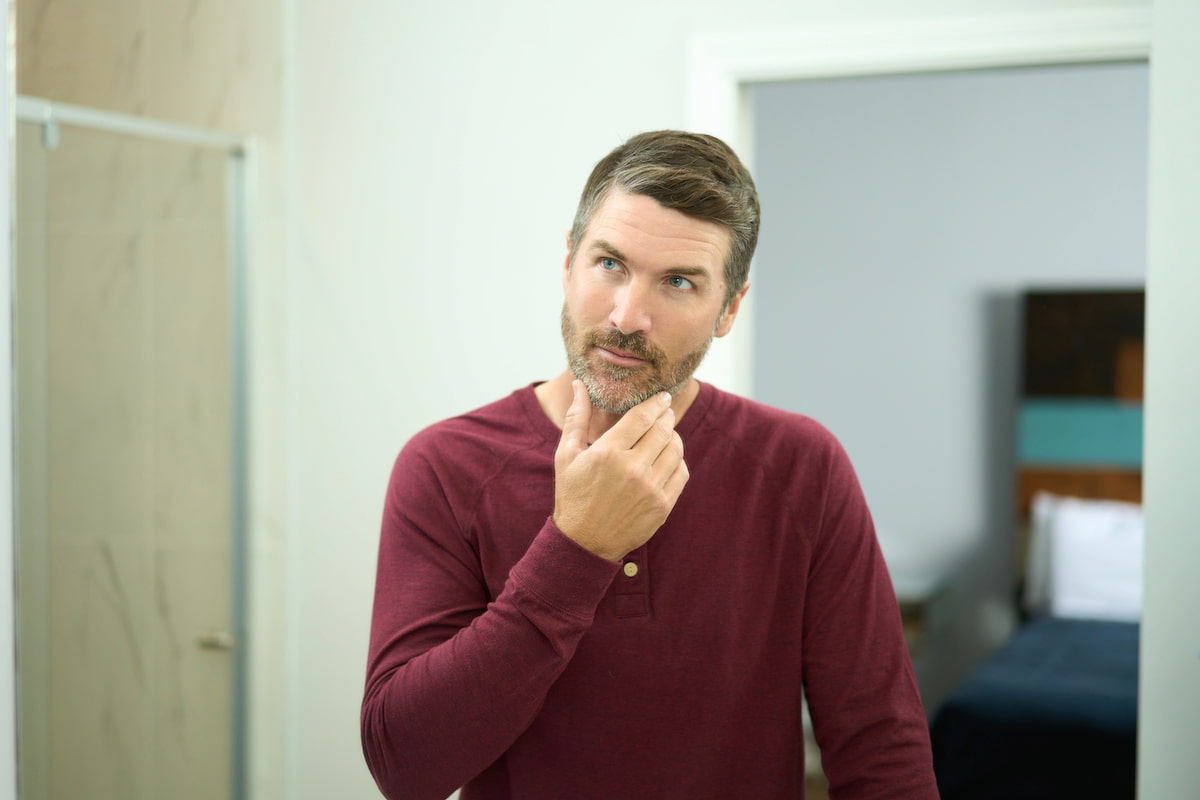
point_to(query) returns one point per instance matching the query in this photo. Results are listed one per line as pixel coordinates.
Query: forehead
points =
(651, 234)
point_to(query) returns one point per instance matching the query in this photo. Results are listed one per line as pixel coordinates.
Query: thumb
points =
(575, 425)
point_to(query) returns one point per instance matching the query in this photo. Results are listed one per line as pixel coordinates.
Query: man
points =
(615, 584)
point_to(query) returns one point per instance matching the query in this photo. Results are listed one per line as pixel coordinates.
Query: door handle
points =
(216, 640)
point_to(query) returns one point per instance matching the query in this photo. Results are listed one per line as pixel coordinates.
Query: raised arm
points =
(453, 680)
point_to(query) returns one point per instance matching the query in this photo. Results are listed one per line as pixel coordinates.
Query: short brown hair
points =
(694, 173)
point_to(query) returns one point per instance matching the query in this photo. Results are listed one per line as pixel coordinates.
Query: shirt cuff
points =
(563, 574)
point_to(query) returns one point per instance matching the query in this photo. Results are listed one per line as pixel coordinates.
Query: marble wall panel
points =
(100, 670)
(124, 341)
(201, 62)
(99, 436)
(186, 188)
(93, 182)
(79, 52)
(191, 441)
(215, 64)
(191, 685)
(211, 63)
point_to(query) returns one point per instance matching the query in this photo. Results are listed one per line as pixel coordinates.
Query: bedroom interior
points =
(889, 304)
(1060, 696)
(932, 406)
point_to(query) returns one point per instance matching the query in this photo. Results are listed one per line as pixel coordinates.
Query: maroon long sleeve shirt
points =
(508, 660)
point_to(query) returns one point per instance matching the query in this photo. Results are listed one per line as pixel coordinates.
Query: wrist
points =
(596, 545)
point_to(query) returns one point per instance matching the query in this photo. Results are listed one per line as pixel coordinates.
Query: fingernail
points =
(664, 398)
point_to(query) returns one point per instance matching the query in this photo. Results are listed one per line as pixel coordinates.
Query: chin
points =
(614, 396)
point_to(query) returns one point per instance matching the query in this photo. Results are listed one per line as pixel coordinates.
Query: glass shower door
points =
(125, 415)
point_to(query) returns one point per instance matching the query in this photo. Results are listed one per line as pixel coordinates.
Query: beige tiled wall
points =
(123, 358)
(210, 63)
(125, 458)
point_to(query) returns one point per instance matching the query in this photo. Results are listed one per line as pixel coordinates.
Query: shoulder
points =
(454, 460)
(486, 433)
(766, 431)
(776, 466)
(792, 453)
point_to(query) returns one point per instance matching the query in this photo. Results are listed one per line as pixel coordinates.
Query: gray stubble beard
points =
(622, 396)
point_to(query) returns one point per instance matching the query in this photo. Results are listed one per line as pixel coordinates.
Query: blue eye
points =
(679, 282)
(609, 264)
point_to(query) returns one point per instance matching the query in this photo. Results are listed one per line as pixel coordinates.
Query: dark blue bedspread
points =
(1052, 714)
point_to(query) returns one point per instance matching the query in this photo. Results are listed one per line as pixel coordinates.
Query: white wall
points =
(1168, 725)
(437, 153)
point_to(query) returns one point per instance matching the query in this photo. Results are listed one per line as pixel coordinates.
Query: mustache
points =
(634, 344)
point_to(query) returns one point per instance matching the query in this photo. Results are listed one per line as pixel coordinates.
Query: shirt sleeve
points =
(454, 679)
(862, 694)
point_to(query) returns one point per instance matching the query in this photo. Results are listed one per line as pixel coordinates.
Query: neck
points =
(554, 396)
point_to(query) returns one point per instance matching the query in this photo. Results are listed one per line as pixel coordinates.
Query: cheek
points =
(586, 303)
(679, 337)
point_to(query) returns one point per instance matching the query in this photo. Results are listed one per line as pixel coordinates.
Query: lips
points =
(620, 357)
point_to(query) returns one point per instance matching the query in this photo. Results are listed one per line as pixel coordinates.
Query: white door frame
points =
(720, 66)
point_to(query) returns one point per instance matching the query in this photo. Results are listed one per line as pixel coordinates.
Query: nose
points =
(631, 309)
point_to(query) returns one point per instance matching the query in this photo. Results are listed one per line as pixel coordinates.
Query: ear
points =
(725, 324)
(567, 262)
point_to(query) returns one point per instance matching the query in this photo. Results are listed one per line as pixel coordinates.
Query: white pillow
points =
(1096, 558)
(1085, 558)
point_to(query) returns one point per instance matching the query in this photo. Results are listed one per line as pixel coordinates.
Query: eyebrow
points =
(684, 271)
(600, 244)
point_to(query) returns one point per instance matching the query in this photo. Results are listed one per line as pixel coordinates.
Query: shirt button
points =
(631, 569)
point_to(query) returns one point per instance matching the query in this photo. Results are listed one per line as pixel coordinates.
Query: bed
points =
(1053, 712)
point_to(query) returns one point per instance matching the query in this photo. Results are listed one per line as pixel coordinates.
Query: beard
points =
(615, 388)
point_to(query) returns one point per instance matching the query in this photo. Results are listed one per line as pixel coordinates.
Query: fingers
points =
(646, 432)
(667, 461)
(575, 426)
(678, 478)
(611, 497)
(630, 429)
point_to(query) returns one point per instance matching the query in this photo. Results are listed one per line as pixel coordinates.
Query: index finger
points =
(631, 427)
(575, 425)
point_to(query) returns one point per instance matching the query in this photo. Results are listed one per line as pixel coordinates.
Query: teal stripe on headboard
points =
(1079, 432)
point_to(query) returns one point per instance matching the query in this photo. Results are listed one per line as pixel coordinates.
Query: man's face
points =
(644, 296)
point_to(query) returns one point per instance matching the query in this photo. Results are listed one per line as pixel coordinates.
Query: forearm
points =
(864, 700)
(433, 720)
(870, 725)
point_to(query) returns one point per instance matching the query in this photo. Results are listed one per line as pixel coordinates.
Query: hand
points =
(613, 496)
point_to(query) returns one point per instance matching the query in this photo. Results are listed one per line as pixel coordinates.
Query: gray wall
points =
(902, 216)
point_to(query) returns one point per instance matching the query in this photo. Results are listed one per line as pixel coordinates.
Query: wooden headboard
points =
(1079, 410)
